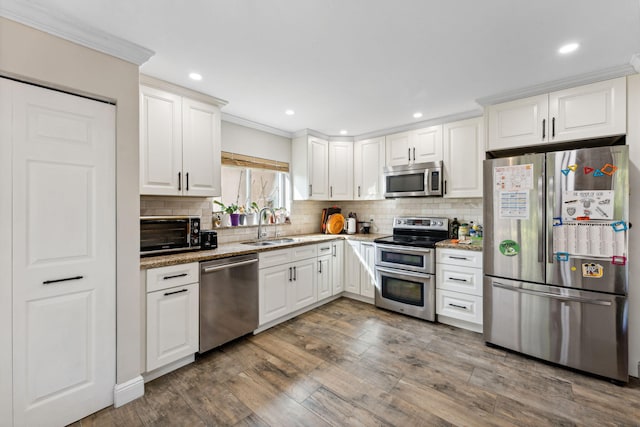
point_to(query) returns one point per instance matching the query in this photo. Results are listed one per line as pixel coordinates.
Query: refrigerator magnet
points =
(562, 256)
(619, 226)
(509, 248)
(609, 169)
(592, 270)
(619, 260)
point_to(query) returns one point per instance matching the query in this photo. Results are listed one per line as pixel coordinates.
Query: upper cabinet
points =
(179, 145)
(416, 146)
(583, 112)
(368, 164)
(321, 170)
(463, 156)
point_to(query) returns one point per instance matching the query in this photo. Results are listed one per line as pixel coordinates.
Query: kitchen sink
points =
(269, 242)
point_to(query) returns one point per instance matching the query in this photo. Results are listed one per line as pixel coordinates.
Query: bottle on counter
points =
(453, 228)
(463, 231)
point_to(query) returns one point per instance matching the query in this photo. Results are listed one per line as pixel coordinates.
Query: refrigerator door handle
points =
(550, 213)
(551, 295)
(541, 224)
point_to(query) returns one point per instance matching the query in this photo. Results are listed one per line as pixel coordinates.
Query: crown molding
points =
(422, 124)
(578, 80)
(65, 27)
(635, 62)
(254, 125)
(309, 132)
(157, 83)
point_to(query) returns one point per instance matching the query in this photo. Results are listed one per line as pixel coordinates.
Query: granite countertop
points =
(231, 249)
(476, 245)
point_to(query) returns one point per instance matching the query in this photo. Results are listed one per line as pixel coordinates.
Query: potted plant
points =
(252, 214)
(230, 217)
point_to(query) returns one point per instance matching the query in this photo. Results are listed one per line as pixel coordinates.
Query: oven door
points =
(411, 258)
(164, 234)
(405, 292)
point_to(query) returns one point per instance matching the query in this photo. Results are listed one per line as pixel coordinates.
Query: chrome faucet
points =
(260, 236)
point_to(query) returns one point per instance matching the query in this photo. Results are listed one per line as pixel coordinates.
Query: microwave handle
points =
(427, 184)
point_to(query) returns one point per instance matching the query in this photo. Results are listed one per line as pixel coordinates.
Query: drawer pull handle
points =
(325, 249)
(174, 276)
(458, 280)
(461, 258)
(464, 307)
(166, 294)
(48, 282)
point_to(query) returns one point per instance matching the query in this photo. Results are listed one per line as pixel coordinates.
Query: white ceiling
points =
(364, 65)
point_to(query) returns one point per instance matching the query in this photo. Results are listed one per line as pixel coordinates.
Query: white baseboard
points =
(157, 373)
(289, 316)
(128, 391)
(358, 297)
(474, 327)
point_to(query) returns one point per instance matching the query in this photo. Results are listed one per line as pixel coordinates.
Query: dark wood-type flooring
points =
(350, 364)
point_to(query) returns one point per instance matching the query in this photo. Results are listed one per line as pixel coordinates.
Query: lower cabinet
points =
(172, 314)
(337, 267)
(459, 288)
(368, 269)
(359, 269)
(325, 288)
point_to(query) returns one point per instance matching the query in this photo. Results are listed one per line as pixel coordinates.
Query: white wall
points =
(252, 142)
(633, 140)
(34, 56)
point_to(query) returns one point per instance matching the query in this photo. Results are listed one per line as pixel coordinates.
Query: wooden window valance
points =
(233, 159)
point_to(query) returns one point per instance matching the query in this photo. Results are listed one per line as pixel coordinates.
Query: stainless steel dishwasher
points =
(228, 299)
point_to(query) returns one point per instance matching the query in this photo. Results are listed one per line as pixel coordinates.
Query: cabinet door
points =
(337, 269)
(160, 142)
(200, 149)
(368, 266)
(589, 111)
(172, 325)
(318, 169)
(303, 292)
(398, 149)
(464, 153)
(427, 144)
(368, 165)
(324, 277)
(340, 170)
(352, 267)
(273, 284)
(62, 280)
(518, 123)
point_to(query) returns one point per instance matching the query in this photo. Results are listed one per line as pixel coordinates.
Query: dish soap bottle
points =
(463, 231)
(453, 229)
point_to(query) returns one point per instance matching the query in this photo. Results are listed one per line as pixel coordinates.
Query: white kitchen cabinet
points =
(368, 269)
(368, 168)
(310, 168)
(360, 269)
(179, 145)
(287, 281)
(324, 284)
(352, 267)
(172, 314)
(337, 267)
(340, 170)
(583, 112)
(463, 156)
(459, 288)
(417, 146)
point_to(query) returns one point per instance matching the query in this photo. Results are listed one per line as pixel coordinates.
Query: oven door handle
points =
(396, 272)
(402, 249)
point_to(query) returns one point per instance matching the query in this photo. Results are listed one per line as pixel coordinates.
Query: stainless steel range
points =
(406, 266)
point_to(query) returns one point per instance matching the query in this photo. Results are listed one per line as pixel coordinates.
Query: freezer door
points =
(580, 185)
(514, 218)
(580, 329)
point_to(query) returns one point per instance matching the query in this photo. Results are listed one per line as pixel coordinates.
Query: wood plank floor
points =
(350, 364)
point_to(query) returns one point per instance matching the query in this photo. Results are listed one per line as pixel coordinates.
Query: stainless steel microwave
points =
(415, 180)
(167, 234)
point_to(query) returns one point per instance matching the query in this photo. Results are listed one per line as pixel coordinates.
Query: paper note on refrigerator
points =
(513, 178)
(592, 204)
(514, 205)
(589, 239)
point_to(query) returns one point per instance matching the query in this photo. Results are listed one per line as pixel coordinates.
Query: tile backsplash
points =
(305, 215)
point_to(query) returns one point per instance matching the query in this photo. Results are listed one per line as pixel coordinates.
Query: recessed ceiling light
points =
(568, 48)
(195, 76)
(417, 115)
(289, 112)
(343, 132)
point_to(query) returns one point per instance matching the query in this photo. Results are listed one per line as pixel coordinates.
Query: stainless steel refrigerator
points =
(555, 257)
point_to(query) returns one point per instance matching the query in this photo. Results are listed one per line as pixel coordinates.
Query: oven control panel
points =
(424, 223)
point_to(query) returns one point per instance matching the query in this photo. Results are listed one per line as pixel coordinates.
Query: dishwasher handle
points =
(230, 265)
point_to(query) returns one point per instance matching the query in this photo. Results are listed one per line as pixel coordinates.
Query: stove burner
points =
(423, 232)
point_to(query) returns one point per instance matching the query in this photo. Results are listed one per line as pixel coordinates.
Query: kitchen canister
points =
(350, 226)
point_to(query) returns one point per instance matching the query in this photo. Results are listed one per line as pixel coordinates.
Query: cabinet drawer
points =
(304, 252)
(459, 279)
(173, 275)
(459, 257)
(325, 248)
(459, 306)
(271, 258)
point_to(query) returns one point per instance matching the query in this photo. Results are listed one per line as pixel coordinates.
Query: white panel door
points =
(352, 267)
(427, 144)
(6, 356)
(160, 142)
(368, 168)
(63, 256)
(323, 280)
(367, 268)
(303, 291)
(200, 149)
(318, 169)
(172, 325)
(398, 149)
(273, 284)
(337, 269)
(463, 153)
(519, 123)
(340, 170)
(589, 111)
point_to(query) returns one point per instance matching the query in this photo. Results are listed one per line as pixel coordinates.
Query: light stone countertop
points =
(474, 246)
(232, 249)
